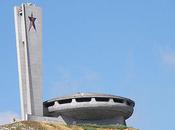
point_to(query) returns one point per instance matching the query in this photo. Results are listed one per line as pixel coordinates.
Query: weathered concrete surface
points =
(90, 108)
(28, 23)
(59, 119)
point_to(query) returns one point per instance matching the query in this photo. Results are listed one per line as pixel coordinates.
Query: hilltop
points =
(33, 125)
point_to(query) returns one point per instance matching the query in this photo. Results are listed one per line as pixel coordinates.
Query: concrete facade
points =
(46, 119)
(28, 25)
(90, 108)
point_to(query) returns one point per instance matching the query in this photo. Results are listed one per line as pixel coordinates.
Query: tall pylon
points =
(28, 25)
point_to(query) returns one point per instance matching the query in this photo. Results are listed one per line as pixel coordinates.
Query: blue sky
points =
(124, 48)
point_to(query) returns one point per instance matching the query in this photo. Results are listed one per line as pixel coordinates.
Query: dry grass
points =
(33, 125)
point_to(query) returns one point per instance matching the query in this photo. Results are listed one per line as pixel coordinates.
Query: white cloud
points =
(168, 57)
(7, 117)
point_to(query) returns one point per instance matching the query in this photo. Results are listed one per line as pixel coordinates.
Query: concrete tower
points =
(28, 24)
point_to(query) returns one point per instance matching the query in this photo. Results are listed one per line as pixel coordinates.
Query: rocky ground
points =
(32, 125)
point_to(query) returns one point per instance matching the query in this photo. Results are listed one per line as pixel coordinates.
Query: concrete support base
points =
(46, 119)
(113, 121)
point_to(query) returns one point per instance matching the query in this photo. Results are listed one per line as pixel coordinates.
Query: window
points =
(129, 103)
(83, 99)
(64, 101)
(48, 104)
(102, 99)
(118, 100)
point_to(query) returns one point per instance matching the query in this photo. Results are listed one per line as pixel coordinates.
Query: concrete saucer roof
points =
(90, 95)
(89, 107)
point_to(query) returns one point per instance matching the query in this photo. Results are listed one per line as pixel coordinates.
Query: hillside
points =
(32, 125)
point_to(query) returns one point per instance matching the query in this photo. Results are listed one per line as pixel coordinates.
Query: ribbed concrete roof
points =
(91, 95)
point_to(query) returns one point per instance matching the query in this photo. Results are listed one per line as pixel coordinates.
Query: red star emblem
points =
(32, 22)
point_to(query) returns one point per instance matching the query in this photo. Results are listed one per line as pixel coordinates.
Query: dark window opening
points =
(83, 99)
(118, 100)
(129, 103)
(65, 101)
(49, 104)
(102, 99)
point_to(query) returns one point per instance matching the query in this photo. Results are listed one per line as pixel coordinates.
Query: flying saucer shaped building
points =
(91, 108)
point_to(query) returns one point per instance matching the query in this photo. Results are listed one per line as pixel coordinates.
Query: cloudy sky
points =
(124, 48)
